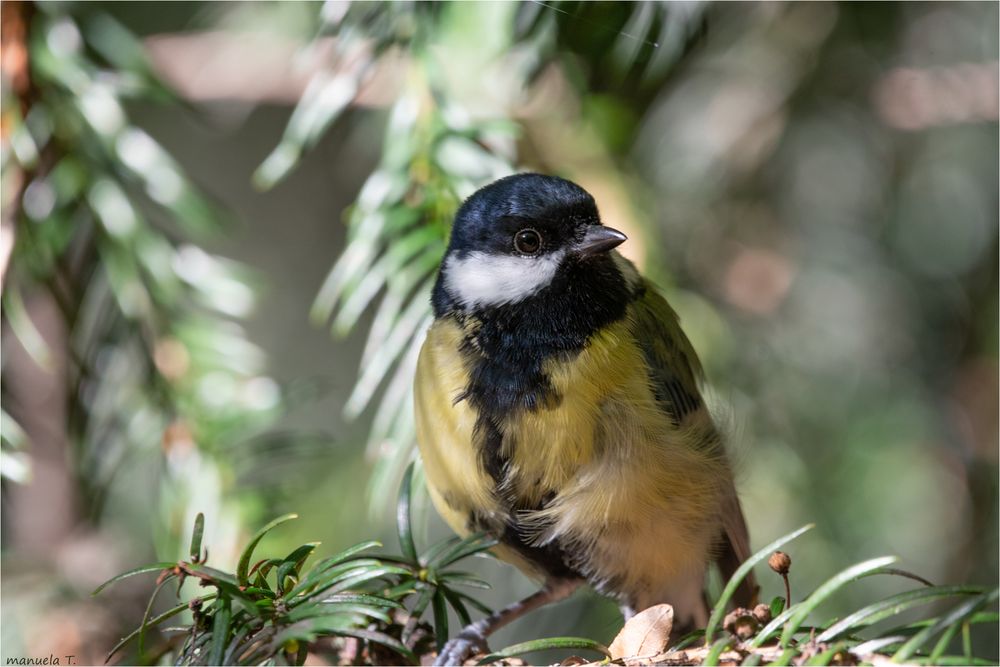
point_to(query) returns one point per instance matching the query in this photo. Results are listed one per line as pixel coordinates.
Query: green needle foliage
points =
(279, 608)
(373, 608)
(109, 227)
(787, 639)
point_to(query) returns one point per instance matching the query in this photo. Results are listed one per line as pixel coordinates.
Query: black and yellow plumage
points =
(558, 409)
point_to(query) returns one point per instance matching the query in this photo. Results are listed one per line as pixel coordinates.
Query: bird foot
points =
(468, 643)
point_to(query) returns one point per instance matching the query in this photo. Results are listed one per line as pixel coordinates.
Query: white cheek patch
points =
(479, 279)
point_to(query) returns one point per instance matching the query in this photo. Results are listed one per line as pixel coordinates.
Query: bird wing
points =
(675, 373)
(673, 366)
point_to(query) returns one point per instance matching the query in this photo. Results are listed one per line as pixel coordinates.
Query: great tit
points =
(558, 410)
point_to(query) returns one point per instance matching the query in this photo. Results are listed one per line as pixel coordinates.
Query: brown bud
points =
(729, 622)
(741, 623)
(762, 613)
(746, 627)
(780, 562)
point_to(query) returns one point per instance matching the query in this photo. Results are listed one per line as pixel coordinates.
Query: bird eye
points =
(527, 241)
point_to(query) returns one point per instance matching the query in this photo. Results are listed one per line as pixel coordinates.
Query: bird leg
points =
(472, 638)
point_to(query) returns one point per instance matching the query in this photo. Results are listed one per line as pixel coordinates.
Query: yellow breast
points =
(445, 426)
(545, 447)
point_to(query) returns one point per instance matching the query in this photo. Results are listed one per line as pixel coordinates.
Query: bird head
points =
(521, 236)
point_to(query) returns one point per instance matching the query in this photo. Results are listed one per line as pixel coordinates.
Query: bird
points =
(558, 410)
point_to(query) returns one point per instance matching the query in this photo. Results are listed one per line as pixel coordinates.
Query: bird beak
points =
(599, 239)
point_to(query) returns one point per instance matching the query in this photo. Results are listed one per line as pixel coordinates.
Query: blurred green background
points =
(813, 185)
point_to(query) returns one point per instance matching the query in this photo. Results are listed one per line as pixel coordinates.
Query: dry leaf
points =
(646, 633)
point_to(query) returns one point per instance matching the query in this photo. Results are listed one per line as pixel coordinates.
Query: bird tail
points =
(735, 550)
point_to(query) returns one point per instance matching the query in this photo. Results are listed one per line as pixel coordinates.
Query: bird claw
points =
(459, 649)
